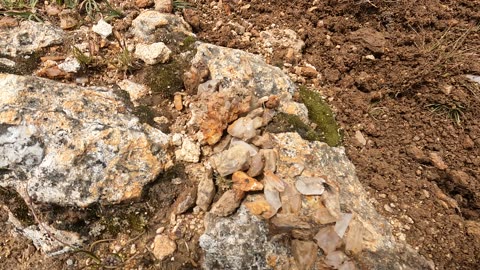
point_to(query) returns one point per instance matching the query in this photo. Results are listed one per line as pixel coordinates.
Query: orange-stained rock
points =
(242, 181)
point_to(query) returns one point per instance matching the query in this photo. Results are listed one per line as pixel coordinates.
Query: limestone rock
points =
(205, 193)
(189, 151)
(164, 6)
(70, 64)
(102, 28)
(135, 91)
(234, 159)
(42, 239)
(245, 69)
(228, 203)
(151, 22)
(162, 247)
(239, 242)
(71, 145)
(28, 37)
(153, 54)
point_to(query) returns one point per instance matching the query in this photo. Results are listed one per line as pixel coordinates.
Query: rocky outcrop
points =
(70, 145)
(311, 196)
(28, 37)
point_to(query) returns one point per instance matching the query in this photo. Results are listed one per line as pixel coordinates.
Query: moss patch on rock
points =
(324, 127)
(284, 122)
(320, 114)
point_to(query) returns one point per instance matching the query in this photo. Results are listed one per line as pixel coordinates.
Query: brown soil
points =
(410, 103)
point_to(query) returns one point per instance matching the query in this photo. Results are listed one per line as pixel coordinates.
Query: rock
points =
(290, 221)
(153, 54)
(328, 240)
(270, 157)
(205, 192)
(164, 6)
(360, 138)
(305, 253)
(257, 205)
(251, 71)
(234, 159)
(6, 22)
(264, 141)
(245, 128)
(291, 200)
(308, 72)
(7, 62)
(144, 3)
(163, 247)
(189, 152)
(185, 200)
(83, 137)
(70, 64)
(272, 196)
(417, 154)
(135, 91)
(41, 236)
(177, 102)
(28, 37)
(252, 150)
(342, 224)
(437, 161)
(243, 182)
(368, 234)
(228, 203)
(150, 24)
(239, 242)
(473, 78)
(102, 28)
(335, 259)
(310, 185)
(68, 19)
(256, 165)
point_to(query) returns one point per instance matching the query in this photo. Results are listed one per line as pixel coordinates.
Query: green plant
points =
(179, 5)
(454, 111)
(20, 8)
(83, 59)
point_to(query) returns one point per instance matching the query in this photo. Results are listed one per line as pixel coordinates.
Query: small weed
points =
(83, 59)
(221, 182)
(23, 9)
(454, 111)
(180, 5)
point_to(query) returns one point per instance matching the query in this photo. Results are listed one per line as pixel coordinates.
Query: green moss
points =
(144, 113)
(187, 43)
(320, 113)
(166, 79)
(283, 122)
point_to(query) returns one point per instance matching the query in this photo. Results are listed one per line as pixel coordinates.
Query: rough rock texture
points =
(74, 146)
(247, 69)
(153, 54)
(102, 28)
(46, 237)
(28, 37)
(332, 162)
(151, 23)
(239, 241)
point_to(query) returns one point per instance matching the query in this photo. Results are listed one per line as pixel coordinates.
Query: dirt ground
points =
(393, 72)
(418, 114)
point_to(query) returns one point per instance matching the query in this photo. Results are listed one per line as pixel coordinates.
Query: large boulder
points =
(72, 145)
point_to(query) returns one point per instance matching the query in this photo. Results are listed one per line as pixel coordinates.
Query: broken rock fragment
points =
(162, 247)
(310, 185)
(228, 203)
(153, 54)
(234, 159)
